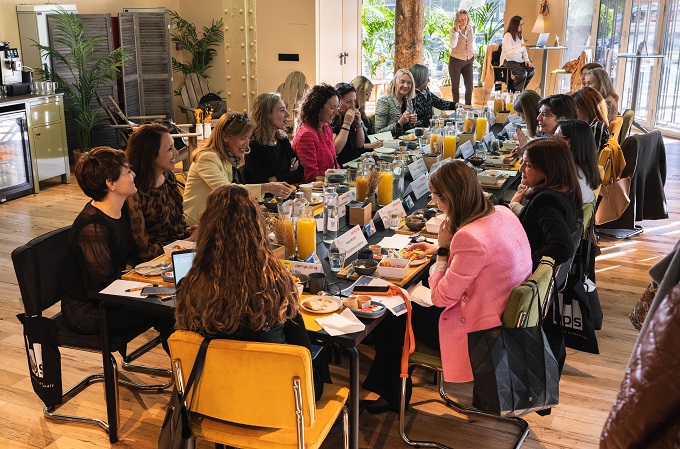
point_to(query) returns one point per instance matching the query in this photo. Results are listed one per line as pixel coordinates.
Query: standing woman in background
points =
(514, 54)
(395, 112)
(461, 38)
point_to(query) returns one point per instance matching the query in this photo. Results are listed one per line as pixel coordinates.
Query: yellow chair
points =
(628, 117)
(539, 285)
(256, 395)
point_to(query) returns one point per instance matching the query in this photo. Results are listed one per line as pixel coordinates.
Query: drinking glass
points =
(394, 221)
(336, 259)
(306, 232)
(285, 215)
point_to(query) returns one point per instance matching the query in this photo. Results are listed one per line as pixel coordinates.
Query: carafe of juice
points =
(385, 186)
(498, 103)
(362, 182)
(469, 122)
(435, 138)
(482, 125)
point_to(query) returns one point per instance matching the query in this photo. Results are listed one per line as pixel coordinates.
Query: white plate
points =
(332, 304)
(415, 262)
(385, 150)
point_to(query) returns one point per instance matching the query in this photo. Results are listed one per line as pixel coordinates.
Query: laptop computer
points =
(181, 262)
(542, 40)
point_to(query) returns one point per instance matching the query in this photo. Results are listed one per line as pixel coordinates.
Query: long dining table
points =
(348, 343)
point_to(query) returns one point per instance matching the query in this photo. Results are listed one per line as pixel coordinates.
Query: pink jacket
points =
(316, 154)
(489, 257)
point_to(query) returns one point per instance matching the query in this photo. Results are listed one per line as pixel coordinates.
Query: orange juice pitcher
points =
(482, 125)
(449, 141)
(306, 233)
(385, 185)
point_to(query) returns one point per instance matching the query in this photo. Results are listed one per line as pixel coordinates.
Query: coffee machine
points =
(10, 70)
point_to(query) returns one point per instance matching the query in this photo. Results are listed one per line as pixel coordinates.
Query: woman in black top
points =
(348, 127)
(271, 157)
(100, 243)
(551, 197)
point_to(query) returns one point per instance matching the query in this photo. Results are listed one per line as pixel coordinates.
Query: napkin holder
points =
(279, 251)
(358, 213)
(431, 159)
(502, 116)
(464, 137)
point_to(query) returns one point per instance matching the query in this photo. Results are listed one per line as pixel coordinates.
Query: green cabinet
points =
(47, 139)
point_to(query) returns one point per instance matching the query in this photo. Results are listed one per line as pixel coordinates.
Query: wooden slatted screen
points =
(95, 25)
(147, 78)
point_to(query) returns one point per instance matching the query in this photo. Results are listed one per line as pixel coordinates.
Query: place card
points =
(420, 187)
(298, 267)
(351, 241)
(395, 207)
(466, 150)
(408, 203)
(417, 168)
(486, 140)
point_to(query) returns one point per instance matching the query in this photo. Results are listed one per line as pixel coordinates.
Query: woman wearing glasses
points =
(271, 157)
(219, 163)
(514, 54)
(313, 140)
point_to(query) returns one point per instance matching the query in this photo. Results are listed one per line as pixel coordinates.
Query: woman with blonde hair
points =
(364, 88)
(219, 163)
(271, 157)
(592, 109)
(395, 112)
(461, 38)
(482, 253)
(599, 80)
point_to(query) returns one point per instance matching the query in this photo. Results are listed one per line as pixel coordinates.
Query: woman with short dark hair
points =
(156, 211)
(100, 244)
(553, 108)
(425, 100)
(348, 126)
(313, 141)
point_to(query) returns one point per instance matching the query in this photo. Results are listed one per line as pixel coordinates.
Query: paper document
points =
(380, 136)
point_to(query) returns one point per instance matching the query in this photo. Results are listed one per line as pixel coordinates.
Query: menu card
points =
(395, 207)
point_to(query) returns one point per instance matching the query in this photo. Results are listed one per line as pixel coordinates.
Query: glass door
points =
(667, 116)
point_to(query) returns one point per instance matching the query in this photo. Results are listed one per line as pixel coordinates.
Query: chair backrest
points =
(292, 90)
(496, 56)
(627, 118)
(615, 127)
(584, 58)
(526, 300)
(562, 270)
(38, 264)
(247, 383)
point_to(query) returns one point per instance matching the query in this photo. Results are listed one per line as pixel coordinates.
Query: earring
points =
(247, 151)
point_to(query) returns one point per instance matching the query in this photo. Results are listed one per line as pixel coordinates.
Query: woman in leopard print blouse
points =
(156, 212)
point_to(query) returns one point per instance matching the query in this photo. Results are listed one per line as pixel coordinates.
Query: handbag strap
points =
(197, 369)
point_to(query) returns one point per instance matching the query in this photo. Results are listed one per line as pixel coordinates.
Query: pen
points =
(136, 289)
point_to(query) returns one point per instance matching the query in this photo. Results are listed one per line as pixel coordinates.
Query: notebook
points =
(181, 262)
(542, 39)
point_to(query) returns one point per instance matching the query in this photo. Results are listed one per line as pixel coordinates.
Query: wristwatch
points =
(444, 252)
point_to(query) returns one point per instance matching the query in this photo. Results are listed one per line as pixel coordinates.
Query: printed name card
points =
(466, 149)
(488, 139)
(351, 241)
(417, 168)
(297, 267)
(420, 187)
(345, 199)
(395, 207)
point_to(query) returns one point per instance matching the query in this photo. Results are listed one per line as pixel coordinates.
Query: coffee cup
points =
(307, 190)
(377, 249)
(317, 282)
(351, 302)
(365, 253)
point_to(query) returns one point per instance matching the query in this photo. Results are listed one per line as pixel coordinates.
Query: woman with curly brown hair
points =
(313, 141)
(236, 286)
(219, 163)
(156, 212)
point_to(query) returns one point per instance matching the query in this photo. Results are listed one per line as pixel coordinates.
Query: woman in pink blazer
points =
(482, 254)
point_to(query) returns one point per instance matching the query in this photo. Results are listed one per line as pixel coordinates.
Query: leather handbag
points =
(176, 429)
(614, 195)
(514, 370)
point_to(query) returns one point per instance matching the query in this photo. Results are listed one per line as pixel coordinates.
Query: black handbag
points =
(44, 358)
(514, 369)
(176, 429)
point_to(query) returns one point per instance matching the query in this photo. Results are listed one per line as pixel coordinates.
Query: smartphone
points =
(158, 291)
(371, 289)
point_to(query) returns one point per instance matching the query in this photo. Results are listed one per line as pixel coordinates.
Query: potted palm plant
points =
(84, 67)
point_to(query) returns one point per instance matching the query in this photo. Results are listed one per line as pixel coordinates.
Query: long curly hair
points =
(235, 282)
(313, 102)
(142, 149)
(456, 184)
(263, 129)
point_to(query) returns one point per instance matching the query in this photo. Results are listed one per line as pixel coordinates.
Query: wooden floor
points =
(588, 387)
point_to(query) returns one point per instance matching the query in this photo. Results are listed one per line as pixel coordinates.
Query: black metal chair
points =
(501, 74)
(37, 265)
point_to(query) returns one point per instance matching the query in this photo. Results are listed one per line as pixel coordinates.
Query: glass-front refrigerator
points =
(16, 176)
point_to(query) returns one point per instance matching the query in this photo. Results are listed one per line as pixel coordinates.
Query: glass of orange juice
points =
(385, 185)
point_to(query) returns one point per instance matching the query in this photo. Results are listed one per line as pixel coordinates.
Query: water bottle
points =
(330, 214)
(300, 204)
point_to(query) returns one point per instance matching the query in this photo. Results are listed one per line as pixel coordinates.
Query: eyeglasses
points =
(238, 118)
(545, 114)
